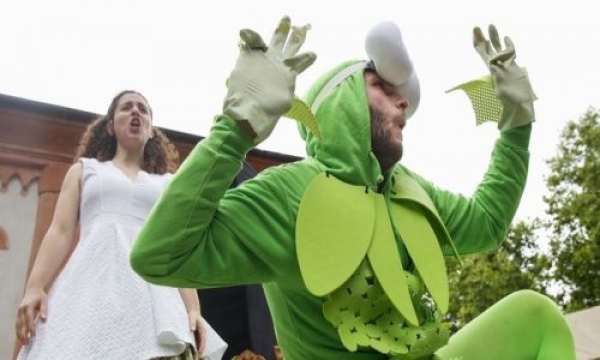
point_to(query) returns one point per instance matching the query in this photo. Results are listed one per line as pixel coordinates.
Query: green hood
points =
(344, 122)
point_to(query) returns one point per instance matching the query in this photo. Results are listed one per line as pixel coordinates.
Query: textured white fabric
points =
(98, 308)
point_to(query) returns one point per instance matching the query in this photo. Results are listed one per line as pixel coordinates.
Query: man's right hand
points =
(261, 86)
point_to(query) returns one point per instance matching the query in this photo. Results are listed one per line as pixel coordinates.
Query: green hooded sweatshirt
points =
(202, 234)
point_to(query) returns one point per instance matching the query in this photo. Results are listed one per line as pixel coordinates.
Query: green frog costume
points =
(351, 258)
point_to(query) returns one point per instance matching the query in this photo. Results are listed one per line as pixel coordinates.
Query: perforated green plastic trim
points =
(364, 317)
(483, 98)
(299, 111)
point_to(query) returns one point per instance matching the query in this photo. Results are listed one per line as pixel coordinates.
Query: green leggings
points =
(523, 326)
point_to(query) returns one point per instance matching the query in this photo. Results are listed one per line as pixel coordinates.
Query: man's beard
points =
(386, 150)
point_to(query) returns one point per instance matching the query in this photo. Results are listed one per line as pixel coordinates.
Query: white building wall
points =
(585, 325)
(17, 218)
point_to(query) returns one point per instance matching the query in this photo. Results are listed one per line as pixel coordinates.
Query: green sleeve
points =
(481, 222)
(200, 233)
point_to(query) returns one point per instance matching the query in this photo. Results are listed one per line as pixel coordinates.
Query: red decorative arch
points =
(25, 175)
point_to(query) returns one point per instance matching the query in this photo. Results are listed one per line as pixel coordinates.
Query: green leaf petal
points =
(333, 232)
(387, 265)
(423, 247)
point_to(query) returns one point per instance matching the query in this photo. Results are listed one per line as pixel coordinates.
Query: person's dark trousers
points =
(240, 315)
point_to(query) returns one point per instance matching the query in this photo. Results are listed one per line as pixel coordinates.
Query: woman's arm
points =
(192, 305)
(190, 299)
(54, 249)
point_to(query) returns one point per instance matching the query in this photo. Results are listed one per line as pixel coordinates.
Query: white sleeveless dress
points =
(98, 307)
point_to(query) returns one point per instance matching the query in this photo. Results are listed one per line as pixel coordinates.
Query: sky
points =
(80, 53)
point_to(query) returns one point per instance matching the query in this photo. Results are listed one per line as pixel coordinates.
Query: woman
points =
(98, 308)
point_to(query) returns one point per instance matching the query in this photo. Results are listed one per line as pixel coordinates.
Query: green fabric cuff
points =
(239, 139)
(517, 137)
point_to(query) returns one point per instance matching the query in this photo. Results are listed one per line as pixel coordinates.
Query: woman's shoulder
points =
(163, 178)
(91, 165)
(93, 162)
(166, 177)
(85, 161)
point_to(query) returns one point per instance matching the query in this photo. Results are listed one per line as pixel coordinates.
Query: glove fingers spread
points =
(281, 34)
(300, 62)
(509, 45)
(251, 40)
(491, 51)
(478, 38)
(481, 45)
(295, 41)
(261, 86)
(495, 38)
(509, 83)
(503, 57)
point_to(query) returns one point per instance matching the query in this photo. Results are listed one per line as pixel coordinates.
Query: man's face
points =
(387, 107)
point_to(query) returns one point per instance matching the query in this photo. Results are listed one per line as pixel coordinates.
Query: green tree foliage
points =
(483, 279)
(574, 206)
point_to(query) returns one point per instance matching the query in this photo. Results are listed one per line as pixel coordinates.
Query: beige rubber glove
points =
(511, 83)
(261, 86)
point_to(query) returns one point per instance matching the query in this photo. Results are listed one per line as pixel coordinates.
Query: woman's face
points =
(132, 121)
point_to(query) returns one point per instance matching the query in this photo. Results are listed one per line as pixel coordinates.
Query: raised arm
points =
(199, 233)
(481, 222)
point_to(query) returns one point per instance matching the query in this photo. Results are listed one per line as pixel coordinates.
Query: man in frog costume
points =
(348, 243)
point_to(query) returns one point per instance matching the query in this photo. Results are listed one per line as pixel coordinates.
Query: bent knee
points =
(534, 304)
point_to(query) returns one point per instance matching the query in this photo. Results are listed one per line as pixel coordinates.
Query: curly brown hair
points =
(160, 155)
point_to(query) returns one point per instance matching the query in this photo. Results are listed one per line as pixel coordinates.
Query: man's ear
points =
(110, 129)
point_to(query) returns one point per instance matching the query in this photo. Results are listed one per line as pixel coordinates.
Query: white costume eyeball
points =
(386, 51)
